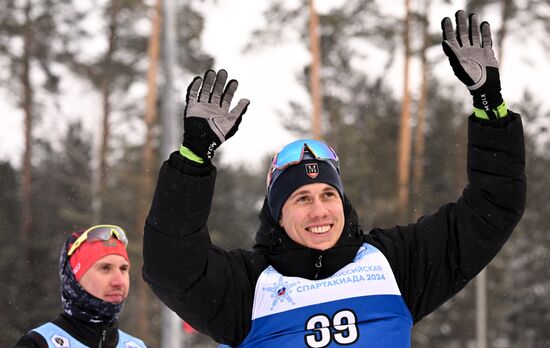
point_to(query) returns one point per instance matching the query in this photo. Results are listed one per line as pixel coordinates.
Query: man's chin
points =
(322, 245)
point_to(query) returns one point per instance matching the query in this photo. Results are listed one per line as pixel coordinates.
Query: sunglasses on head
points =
(99, 232)
(293, 153)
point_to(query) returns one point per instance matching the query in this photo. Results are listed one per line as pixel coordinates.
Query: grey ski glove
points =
(473, 61)
(208, 122)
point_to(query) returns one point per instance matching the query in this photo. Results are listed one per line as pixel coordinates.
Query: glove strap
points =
(190, 155)
(492, 114)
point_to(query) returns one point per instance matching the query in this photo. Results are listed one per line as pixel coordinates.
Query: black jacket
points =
(432, 259)
(88, 334)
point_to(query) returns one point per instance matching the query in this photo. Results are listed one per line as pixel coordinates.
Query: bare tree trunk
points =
(27, 106)
(507, 11)
(148, 162)
(420, 141)
(25, 262)
(102, 170)
(26, 178)
(106, 128)
(404, 150)
(315, 80)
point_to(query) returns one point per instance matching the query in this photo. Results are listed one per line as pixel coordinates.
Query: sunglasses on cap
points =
(99, 232)
(293, 153)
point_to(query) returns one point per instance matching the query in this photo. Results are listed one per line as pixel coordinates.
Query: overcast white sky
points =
(267, 78)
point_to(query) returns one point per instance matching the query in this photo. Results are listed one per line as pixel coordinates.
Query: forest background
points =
(80, 134)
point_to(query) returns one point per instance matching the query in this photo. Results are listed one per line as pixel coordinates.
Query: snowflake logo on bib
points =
(60, 341)
(280, 292)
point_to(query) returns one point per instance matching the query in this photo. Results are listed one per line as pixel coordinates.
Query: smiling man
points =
(307, 200)
(314, 278)
(95, 279)
(313, 216)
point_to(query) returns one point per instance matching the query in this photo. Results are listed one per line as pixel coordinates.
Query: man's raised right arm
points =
(184, 269)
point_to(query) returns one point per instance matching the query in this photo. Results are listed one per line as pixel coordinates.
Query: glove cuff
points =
(492, 114)
(487, 96)
(199, 138)
(487, 100)
(190, 155)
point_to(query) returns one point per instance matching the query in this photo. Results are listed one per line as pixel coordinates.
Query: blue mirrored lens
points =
(294, 152)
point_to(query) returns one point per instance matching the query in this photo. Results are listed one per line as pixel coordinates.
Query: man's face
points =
(313, 216)
(108, 279)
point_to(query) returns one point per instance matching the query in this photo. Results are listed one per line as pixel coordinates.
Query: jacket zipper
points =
(102, 339)
(318, 265)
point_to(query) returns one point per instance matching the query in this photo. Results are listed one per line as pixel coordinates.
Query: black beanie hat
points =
(308, 171)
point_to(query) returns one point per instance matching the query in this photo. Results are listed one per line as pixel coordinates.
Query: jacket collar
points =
(88, 333)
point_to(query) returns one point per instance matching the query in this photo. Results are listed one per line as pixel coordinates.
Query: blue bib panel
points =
(360, 306)
(56, 337)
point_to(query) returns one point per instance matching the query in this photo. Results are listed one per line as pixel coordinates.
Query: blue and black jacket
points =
(67, 331)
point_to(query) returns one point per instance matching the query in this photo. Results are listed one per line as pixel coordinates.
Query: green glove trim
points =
(500, 112)
(190, 155)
